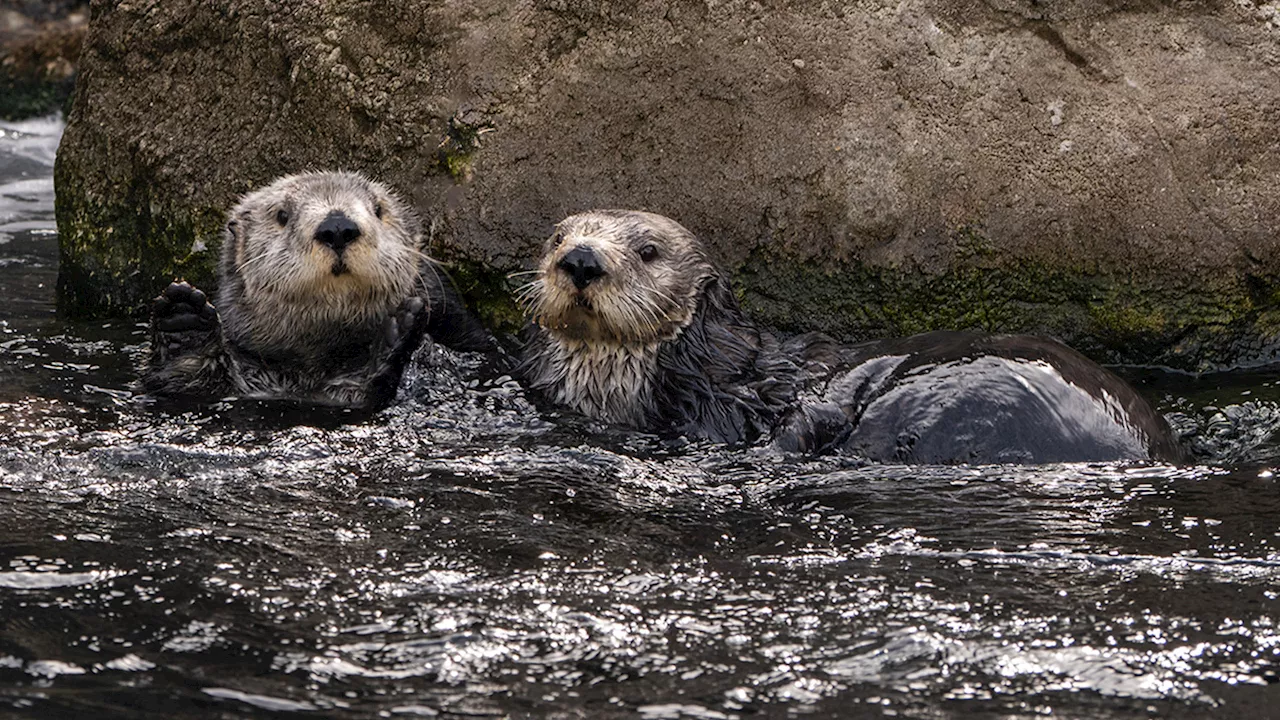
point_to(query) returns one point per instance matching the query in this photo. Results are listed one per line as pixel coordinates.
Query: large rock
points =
(1106, 172)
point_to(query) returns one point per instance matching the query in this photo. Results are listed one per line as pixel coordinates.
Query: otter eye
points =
(556, 240)
(282, 217)
(648, 253)
(377, 210)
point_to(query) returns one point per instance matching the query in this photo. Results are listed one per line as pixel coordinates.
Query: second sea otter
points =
(634, 324)
(324, 292)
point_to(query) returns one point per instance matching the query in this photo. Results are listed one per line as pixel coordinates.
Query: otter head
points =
(618, 277)
(318, 248)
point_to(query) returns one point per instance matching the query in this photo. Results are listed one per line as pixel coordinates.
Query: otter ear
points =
(233, 244)
(236, 225)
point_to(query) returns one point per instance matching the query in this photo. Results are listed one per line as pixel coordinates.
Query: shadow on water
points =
(464, 554)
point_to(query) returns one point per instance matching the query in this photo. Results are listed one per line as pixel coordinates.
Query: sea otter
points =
(634, 324)
(324, 290)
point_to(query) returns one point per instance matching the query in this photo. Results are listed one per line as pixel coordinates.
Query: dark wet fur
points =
(192, 357)
(934, 398)
(722, 378)
(884, 400)
(725, 380)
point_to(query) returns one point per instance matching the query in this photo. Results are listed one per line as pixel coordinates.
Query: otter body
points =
(633, 324)
(324, 291)
(946, 397)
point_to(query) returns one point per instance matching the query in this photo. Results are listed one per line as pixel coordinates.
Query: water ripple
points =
(469, 552)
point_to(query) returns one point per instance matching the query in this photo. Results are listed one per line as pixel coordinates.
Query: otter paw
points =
(183, 308)
(399, 326)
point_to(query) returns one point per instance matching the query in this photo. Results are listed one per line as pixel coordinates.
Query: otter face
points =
(338, 243)
(619, 277)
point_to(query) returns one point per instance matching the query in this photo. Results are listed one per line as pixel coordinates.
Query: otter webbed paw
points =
(182, 308)
(186, 345)
(401, 333)
(401, 326)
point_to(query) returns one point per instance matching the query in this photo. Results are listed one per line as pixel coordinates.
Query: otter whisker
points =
(529, 290)
(531, 283)
(530, 294)
(254, 261)
(645, 314)
(657, 293)
(419, 253)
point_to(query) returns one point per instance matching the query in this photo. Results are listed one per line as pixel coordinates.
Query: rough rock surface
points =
(1105, 171)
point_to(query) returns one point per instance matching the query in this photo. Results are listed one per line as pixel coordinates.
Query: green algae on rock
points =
(1110, 320)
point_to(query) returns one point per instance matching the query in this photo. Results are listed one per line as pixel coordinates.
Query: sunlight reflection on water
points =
(463, 553)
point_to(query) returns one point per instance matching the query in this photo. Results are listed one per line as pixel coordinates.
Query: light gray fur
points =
(288, 324)
(602, 361)
(278, 291)
(613, 383)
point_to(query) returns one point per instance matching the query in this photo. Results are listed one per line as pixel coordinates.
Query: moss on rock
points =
(20, 99)
(1112, 319)
(488, 292)
(118, 252)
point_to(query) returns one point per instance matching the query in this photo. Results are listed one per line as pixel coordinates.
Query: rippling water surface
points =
(464, 554)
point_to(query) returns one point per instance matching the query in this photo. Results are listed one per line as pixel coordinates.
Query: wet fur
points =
(945, 397)
(711, 373)
(296, 320)
(717, 377)
(663, 346)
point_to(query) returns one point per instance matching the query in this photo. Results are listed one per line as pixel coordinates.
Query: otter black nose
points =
(337, 231)
(583, 265)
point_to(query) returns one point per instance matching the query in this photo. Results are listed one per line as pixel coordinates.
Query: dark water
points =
(465, 555)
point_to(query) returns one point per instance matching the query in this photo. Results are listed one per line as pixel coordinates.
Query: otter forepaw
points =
(183, 308)
(401, 332)
(399, 326)
(187, 356)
